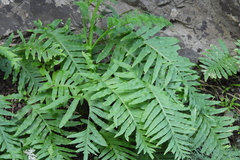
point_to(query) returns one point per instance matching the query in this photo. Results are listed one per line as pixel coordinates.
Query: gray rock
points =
(231, 7)
(20, 14)
(162, 2)
(131, 2)
(189, 53)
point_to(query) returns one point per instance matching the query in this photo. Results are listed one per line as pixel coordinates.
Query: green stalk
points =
(84, 22)
(103, 35)
(93, 19)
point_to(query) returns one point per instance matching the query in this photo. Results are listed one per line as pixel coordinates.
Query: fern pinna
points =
(142, 98)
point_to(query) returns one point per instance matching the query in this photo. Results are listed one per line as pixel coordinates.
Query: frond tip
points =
(218, 62)
(87, 140)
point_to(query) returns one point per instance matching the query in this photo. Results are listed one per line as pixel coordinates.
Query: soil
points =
(6, 86)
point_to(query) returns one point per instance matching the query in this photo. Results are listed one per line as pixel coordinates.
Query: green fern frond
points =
(53, 148)
(137, 19)
(126, 91)
(144, 144)
(30, 77)
(41, 43)
(62, 83)
(155, 58)
(45, 44)
(37, 47)
(88, 139)
(171, 70)
(158, 155)
(8, 61)
(70, 46)
(42, 126)
(51, 42)
(213, 133)
(218, 63)
(10, 146)
(115, 110)
(165, 122)
(5, 52)
(117, 148)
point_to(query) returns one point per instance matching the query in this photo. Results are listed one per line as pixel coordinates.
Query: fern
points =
(232, 154)
(8, 59)
(10, 145)
(158, 118)
(126, 93)
(45, 136)
(116, 148)
(219, 63)
(87, 140)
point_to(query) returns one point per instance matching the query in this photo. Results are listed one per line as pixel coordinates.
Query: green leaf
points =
(87, 140)
(69, 112)
(56, 103)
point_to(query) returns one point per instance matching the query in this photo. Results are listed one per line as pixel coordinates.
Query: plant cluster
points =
(113, 93)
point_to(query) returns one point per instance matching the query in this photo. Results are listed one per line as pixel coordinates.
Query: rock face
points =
(20, 14)
(197, 23)
(231, 7)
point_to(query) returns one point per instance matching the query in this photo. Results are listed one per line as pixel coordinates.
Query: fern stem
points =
(101, 37)
(84, 21)
(93, 19)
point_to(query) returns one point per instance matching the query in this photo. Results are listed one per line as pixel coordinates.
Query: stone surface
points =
(20, 14)
(231, 7)
(197, 23)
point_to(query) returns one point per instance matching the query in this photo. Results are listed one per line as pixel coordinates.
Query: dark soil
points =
(6, 86)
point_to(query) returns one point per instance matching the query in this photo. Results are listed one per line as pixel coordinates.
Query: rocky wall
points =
(20, 14)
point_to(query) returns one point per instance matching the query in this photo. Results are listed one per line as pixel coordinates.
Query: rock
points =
(131, 2)
(173, 14)
(189, 53)
(162, 2)
(231, 7)
(19, 15)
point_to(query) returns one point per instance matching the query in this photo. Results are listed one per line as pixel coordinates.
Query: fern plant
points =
(126, 93)
(219, 62)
